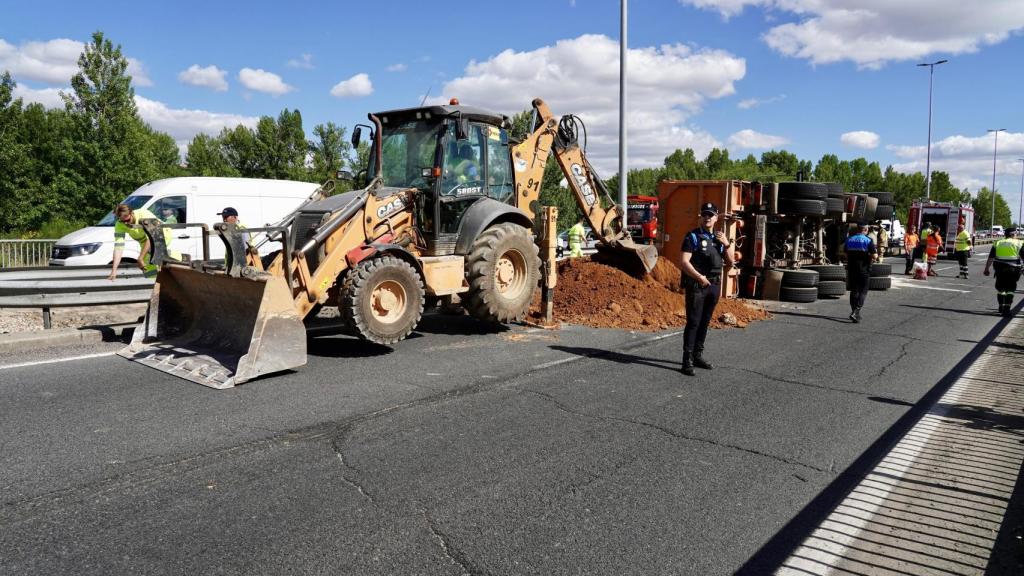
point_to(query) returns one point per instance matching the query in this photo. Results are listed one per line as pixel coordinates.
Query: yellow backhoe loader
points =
(449, 208)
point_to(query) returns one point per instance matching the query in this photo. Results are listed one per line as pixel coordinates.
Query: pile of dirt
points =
(592, 293)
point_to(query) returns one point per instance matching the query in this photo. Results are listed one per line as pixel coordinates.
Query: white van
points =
(189, 200)
(896, 232)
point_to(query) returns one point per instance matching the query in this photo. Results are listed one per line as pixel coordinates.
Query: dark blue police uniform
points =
(859, 249)
(706, 256)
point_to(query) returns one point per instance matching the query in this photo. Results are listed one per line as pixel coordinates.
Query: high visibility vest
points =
(1008, 251)
(963, 242)
(576, 234)
(934, 242)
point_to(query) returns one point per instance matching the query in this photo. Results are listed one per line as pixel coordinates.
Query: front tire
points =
(503, 270)
(382, 299)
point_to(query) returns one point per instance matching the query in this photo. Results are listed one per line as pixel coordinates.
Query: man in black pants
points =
(860, 251)
(703, 254)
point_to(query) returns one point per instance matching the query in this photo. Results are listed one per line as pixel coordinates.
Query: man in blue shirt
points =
(860, 252)
(703, 254)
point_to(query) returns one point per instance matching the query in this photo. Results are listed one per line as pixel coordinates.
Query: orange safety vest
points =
(934, 242)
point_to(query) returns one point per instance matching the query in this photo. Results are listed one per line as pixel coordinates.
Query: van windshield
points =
(135, 202)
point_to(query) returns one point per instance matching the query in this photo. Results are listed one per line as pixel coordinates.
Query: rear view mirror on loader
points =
(357, 134)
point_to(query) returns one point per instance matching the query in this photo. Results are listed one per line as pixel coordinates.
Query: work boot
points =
(855, 315)
(700, 362)
(688, 364)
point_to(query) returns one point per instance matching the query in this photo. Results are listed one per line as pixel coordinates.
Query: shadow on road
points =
(619, 357)
(457, 325)
(843, 320)
(1007, 556)
(956, 310)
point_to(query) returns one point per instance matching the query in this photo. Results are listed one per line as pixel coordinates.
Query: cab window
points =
(170, 210)
(499, 176)
(462, 174)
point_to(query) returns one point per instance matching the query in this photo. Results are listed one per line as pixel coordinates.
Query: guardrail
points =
(49, 287)
(18, 253)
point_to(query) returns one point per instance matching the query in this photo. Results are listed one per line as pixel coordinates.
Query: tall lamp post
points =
(928, 163)
(623, 47)
(995, 147)
(1020, 203)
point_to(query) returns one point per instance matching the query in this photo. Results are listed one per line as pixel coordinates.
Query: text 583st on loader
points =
(449, 209)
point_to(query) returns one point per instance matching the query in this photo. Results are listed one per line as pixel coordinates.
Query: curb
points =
(23, 341)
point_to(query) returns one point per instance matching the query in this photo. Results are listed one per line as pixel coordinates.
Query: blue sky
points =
(749, 75)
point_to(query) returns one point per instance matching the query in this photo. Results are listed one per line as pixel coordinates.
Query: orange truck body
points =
(679, 204)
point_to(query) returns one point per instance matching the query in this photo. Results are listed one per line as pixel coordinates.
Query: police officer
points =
(860, 251)
(1005, 256)
(703, 253)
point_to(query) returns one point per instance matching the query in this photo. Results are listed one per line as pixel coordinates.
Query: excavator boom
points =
(560, 137)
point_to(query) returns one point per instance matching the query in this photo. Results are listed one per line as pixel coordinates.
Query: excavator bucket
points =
(219, 330)
(638, 259)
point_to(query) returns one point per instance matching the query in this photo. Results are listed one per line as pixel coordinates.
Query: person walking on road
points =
(577, 235)
(910, 242)
(883, 242)
(860, 252)
(127, 224)
(933, 244)
(704, 251)
(961, 249)
(1005, 257)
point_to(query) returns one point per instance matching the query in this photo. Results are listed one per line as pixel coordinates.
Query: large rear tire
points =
(382, 299)
(503, 270)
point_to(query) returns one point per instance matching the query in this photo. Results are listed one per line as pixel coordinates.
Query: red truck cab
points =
(642, 218)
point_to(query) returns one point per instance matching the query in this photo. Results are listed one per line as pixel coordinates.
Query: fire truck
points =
(946, 215)
(642, 220)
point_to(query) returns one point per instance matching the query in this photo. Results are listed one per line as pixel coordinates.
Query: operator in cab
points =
(704, 254)
(127, 224)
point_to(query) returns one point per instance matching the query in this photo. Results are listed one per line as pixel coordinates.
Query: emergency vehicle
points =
(642, 219)
(947, 216)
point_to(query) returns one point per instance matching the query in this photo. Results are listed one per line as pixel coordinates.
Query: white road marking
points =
(903, 283)
(946, 481)
(56, 360)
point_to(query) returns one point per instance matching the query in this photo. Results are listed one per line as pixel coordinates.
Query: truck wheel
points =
(879, 283)
(828, 272)
(880, 269)
(503, 270)
(798, 294)
(382, 299)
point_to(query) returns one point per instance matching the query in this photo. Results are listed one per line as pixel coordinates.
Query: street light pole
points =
(928, 163)
(623, 46)
(1020, 203)
(992, 216)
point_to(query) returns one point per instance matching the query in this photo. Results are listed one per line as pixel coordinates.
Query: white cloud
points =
(209, 77)
(305, 62)
(871, 33)
(755, 102)
(54, 61)
(259, 80)
(183, 124)
(48, 97)
(355, 87)
(749, 139)
(860, 139)
(397, 68)
(968, 160)
(667, 85)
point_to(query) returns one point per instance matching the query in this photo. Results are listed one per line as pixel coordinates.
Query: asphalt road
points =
(462, 451)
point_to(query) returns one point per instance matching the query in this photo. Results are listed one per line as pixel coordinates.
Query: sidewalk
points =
(947, 499)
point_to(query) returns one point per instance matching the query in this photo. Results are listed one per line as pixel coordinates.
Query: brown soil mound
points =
(594, 294)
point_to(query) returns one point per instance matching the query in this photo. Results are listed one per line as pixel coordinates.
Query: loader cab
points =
(454, 156)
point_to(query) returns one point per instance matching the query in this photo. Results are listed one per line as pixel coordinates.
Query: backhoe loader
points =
(449, 208)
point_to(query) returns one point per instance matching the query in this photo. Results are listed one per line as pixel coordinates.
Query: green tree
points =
(330, 151)
(206, 157)
(982, 204)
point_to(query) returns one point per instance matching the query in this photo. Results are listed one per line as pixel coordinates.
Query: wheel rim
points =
(510, 274)
(388, 301)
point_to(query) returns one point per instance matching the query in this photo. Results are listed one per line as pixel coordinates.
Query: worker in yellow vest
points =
(961, 248)
(1005, 258)
(577, 235)
(128, 224)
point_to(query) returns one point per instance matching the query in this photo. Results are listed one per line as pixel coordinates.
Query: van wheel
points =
(503, 270)
(382, 299)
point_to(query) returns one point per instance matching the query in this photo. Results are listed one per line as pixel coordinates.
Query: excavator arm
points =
(558, 136)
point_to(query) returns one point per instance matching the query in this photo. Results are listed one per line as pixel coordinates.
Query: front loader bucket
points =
(630, 256)
(218, 330)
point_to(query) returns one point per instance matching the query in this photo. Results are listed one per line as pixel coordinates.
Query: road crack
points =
(450, 552)
(674, 433)
(353, 482)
